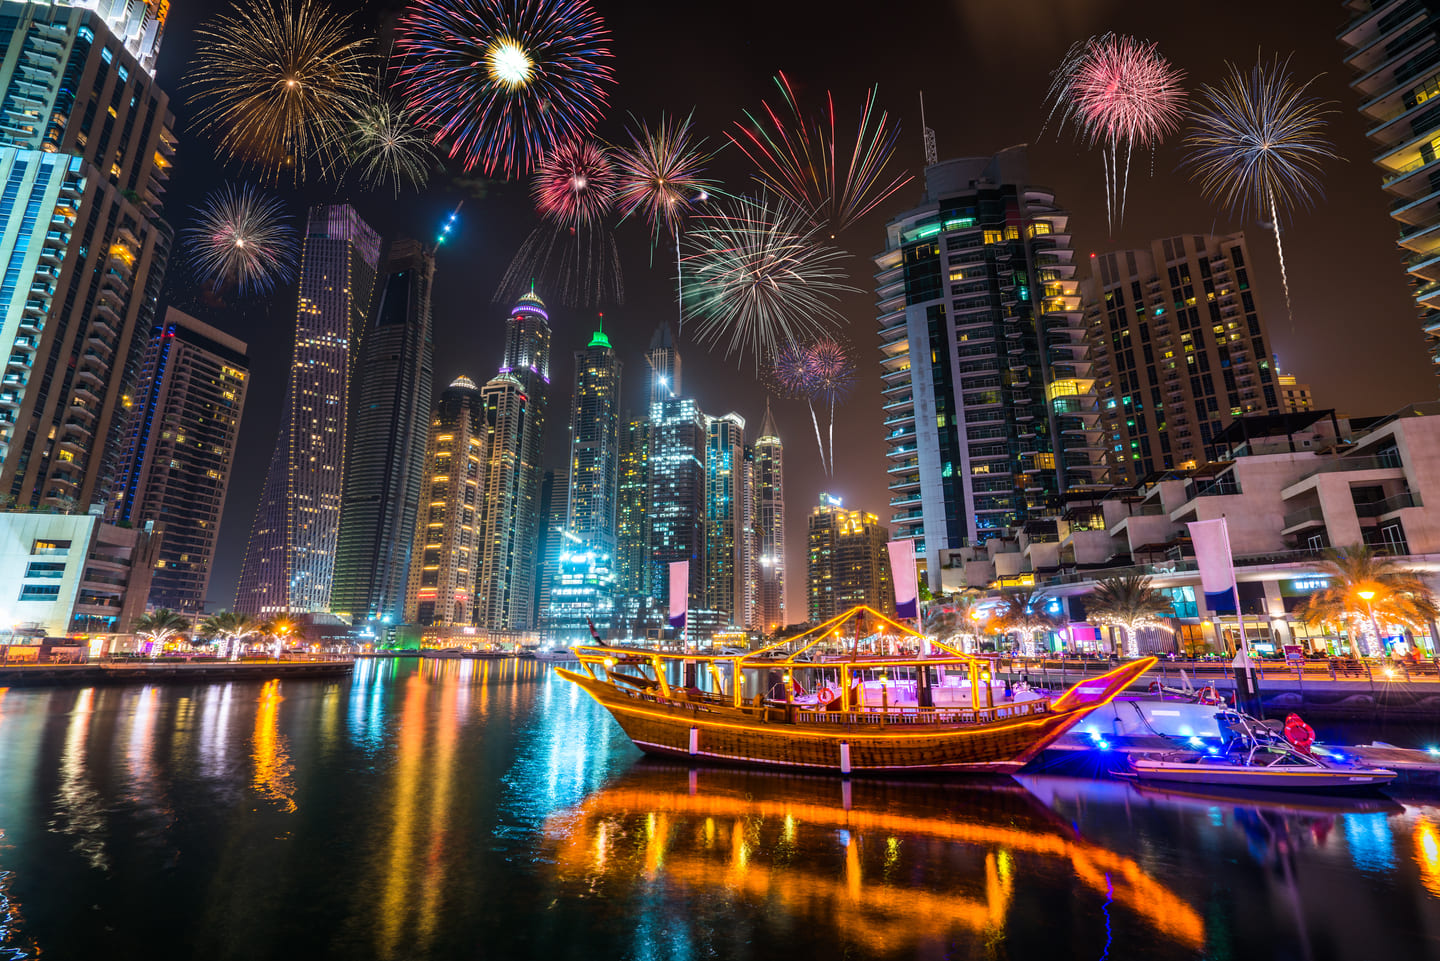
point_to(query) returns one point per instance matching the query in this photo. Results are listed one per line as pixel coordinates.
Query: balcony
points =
(1295, 521)
(1396, 502)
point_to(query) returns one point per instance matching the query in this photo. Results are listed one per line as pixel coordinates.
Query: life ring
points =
(1208, 695)
(826, 695)
(1154, 687)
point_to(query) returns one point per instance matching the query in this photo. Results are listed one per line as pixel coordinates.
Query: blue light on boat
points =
(1212, 749)
(1197, 742)
(1103, 744)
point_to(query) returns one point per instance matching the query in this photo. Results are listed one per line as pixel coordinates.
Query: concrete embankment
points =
(162, 672)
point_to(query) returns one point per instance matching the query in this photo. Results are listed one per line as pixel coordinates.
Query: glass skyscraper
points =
(768, 486)
(727, 541)
(180, 451)
(290, 561)
(385, 451)
(595, 445)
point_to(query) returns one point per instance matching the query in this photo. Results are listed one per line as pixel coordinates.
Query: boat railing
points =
(927, 715)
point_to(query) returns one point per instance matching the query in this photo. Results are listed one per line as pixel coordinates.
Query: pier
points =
(166, 670)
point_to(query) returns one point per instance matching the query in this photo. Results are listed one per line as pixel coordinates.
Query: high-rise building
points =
(71, 86)
(1391, 47)
(1295, 397)
(726, 530)
(385, 450)
(847, 563)
(441, 589)
(554, 506)
(289, 563)
(768, 485)
(1179, 350)
(632, 564)
(663, 358)
(677, 495)
(180, 450)
(509, 522)
(595, 446)
(993, 416)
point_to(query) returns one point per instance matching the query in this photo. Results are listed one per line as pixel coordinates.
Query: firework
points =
(1256, 145)
(505, 81)
(387, 145)
(759, 275)
(662, 174)
(279, 82)
(580, 263)
(575, 184)
(797, 158)
(242, 237)
(793, 371)
(1120, 93)
(833, 374)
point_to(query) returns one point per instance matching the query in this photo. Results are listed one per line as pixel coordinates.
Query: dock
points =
(161, 671)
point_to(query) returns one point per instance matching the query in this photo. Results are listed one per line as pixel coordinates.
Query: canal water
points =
(464, 809)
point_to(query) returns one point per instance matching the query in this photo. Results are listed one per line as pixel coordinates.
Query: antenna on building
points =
(932, 156)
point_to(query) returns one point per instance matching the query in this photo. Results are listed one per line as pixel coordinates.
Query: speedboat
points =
(1255, 756)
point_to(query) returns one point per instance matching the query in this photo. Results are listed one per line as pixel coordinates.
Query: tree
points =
(1366, 589)
(159, 626)
(229, 628)
(1132, 605)
(281, 631)
(1025, 611)
(958, 616)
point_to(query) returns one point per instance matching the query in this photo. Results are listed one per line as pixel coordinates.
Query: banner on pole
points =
(679, 594)
(902, 575)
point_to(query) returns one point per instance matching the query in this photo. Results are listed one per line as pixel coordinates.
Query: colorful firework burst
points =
(279, 83)
(575, 184)
(797, 158)
(1120, 93)
(1257, 142)
(387, 145)
(834, 381)
(662, 174)
(505, 82)
(240, 236)
(793, 371)
(759, 275)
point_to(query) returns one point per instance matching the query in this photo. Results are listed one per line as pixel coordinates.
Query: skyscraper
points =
(509, 521)
(180, 444)
(632, 564)
(1179, 350)
(1295, 397)
(677, 495)
(595, 445)
(385, 450)
(847, 563)
(441, 590)
(663, 358)
(74, 326)
(994, 415)
(554, 506)
(1391, 47)
(768, 485)
(290, 560)
(726, 530)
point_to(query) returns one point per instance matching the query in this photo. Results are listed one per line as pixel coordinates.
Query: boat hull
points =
(1227, 776)
(734, 737)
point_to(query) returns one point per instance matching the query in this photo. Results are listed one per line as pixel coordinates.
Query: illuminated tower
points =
(726, 541)
(86, 144)
(847, 562)
(632, 566)
(509, 522)
(441, 589)
(663, 358)
(768, 485)
(180, 446)
(385, 451)
(595, 445)
(290, 561)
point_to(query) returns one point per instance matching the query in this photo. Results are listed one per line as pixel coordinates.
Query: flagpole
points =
(1235, 590)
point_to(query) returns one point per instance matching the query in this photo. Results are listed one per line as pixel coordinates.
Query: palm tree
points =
(1132, 605)
(229, 627)
(1024, 611)
(159, 626)
(1367, 588)
(281, 630)
(958, 616)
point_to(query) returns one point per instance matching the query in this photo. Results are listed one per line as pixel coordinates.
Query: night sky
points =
(984, 67)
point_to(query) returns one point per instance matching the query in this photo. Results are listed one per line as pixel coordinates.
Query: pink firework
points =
(1120, 93)
(574, 184)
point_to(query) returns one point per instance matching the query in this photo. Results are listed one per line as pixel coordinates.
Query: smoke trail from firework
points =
(278, 83)
(242, 237)
(797, 157)
(794, 375)
(1257, 142)
(1120, 93)
(759, 276)
(833, 373)
(387, 145)
(505, 82)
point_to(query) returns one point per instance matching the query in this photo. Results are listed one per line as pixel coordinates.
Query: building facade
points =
(441, 588)
(1180, 349)
(180, 451)
(509, 520)
(727, 527)
(632, 560)
(768, 487)
(289, 562)
(385, 450)
(1295, 397)
(846, 563)
(1392, 45)
(677, 496)
(593, 509)
(71, 86)
(554, 507)
(988, 393)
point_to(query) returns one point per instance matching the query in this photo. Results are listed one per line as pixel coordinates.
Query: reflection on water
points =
(465, 808)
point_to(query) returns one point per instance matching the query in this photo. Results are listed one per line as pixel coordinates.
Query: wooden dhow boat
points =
(884, 700)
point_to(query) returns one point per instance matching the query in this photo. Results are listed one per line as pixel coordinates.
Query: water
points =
(460, 809)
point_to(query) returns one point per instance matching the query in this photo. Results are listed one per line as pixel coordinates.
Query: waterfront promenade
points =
(167, 669)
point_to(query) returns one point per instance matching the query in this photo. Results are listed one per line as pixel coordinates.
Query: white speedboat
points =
(1254, 756)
